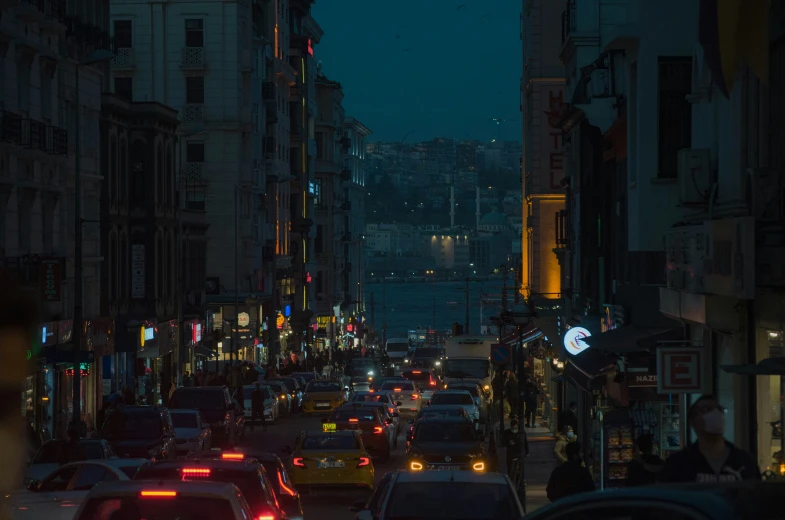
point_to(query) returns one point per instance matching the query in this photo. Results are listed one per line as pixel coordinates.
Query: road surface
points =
(330, 505)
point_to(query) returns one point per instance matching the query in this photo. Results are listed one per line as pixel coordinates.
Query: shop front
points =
(147, 370)
(38, 391)
(99, 338)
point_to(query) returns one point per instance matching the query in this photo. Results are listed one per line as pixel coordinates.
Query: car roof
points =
(324, 381)
(444, 407)
(443, 419)
(113, 463)
(368, 392)
(337, 433)
(451, 476)
(456, 392)
(134, 487)
(224, 465)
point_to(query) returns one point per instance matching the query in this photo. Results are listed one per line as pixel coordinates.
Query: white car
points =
(58, 495)
(406, 393)
(461, 398)
(474, 388)
(170, 499)
(190, 433)
(271, 409)
(47, 459)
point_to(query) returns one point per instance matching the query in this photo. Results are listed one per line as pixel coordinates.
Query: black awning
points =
(766, 367)
(558, 379)
(201, 350)
(632, 338)
(583, 370)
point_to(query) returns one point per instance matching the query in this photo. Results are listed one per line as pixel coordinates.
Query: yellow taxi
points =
(323, 396)
(330, 458)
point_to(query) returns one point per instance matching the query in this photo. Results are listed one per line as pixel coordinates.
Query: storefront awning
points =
(583, 369)
(631, 339)
(148, 353)
(201, 350)
(529, 333)
(766, 367)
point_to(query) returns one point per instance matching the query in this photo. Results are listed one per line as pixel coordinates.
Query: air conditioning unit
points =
(600, 83)
(694, 170)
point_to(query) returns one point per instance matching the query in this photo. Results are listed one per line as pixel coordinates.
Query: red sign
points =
(680, 370)
(51, 279)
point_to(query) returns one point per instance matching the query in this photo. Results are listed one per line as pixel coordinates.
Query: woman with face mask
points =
(711, 458)
(562, 440)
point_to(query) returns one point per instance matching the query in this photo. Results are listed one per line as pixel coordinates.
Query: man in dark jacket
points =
(516, 443)
(257, 406)
(570, 477)
(570, 418)
(712, 458)
(530, 394)
(72, 451)
(645, 465)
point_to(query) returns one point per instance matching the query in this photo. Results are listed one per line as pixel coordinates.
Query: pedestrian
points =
(72, 450)
(187, 379)
(570, 417)
(711, 458)
(531, 394)
(570, 477)
(563, 440)
(645, 465)
(257, 406)
(516, 443)
(512, 393)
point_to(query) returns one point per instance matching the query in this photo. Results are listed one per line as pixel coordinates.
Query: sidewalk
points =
(538, 466)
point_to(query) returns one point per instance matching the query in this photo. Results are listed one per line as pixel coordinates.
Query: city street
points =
(328, 505)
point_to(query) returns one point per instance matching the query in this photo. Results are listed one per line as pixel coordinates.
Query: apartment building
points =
(354, 211)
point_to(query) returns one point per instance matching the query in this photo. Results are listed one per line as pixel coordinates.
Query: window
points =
(194, 151)
(122, 34)
(194, 89)
(318, 242)
(675, 113)
(124, 88)
(319, 138)
(194, 33)
(23, 84)
(90, 475)
(59, 481)
(46, 94)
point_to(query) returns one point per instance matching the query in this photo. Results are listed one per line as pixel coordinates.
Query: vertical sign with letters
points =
(552, 144)
(682, 370)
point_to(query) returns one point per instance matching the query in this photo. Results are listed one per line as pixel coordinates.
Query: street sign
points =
(500, 354)
(682, 370)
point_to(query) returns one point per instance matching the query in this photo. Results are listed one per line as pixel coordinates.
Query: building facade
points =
(354, 213)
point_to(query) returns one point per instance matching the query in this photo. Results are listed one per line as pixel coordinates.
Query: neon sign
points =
(84, 370)
(310, 48)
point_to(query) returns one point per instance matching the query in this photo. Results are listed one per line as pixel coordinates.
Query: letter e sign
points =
(680, 370)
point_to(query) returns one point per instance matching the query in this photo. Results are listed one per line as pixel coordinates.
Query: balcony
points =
(56, 141)
(54, 21)
(193, 58)
(124, 59)
(192, 180)
(10, 128)
(562, 239)
(193, 113)
(33, 135)
(30, 11)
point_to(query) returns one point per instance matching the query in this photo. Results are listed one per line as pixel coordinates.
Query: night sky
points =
(463, 69)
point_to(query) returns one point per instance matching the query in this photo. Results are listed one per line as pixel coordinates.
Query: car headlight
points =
(370, 373)
(478, 466)
(405, 360)
(437, 364)
(486, 387)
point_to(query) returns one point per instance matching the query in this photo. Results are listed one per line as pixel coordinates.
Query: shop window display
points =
(770, 404)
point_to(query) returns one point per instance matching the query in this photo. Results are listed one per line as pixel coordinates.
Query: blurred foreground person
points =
(645, 465)
(571, 477)
(18, 318)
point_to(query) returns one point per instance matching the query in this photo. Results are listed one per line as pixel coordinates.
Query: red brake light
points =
(158, 494)
(378, 429)
(392, 410)
(414, 397)
(195, 472)
(364, 461)
(286, 489)
(396, 389)
(433, 383)
(416, 372)
(266, 517)
(298, 461)
(232, 456)
(354, 420)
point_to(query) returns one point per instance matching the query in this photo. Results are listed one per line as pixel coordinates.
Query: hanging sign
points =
(573, 340)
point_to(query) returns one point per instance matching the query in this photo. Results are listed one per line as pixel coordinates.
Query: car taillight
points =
(396, 389)
(364, 461)
(354, 420)
(433, 383)
(392, 410)
(378, 429)
(286, 489)
(298, 461)
(195, 472)
(414, 397)
(232, 456)
(158, 494)
(266, 517)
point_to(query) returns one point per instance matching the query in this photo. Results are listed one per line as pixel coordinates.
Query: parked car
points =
(140, 432)
(293, 387)
(284, 397)
(190, 433)
(47, 458)
(215, 405)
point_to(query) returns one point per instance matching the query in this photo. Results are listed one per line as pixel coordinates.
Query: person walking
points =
(711, 458)
(512, 392)
(570, 477)
(257, 406)
(516, 443)
(73, 450)
(645, 465)
(570, 418)
(563, 440)
(530, 393)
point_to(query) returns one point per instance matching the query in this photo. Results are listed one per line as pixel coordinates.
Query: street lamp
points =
(98, 56)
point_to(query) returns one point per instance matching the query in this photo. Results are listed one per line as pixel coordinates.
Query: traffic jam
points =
(381, 437)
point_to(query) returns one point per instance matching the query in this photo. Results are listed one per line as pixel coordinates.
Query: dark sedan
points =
(446, 443)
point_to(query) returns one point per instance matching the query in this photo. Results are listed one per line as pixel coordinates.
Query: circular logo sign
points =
(573, 340)
(243, 319)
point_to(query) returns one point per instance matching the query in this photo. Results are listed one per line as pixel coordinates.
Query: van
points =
(217, 409)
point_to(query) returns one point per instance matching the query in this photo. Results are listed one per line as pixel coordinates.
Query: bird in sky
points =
(462, 6)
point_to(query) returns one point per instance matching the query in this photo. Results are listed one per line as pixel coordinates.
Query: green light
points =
(29, 355)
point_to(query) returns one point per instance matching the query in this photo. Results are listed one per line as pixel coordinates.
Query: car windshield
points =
(180, 508)
(451, 500)
(184, 420)
(198, 399)
(352, 416)
(397, 347)
(249, 482)
(371, 398)
(426, 352)
(445, 432)
(396, 386)
(288, 383)
(129, 425)
(330, 442)
(471, 389)
(467, 368)
(323, 386)
(50, 452)
(462, 399)
(277, 386)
